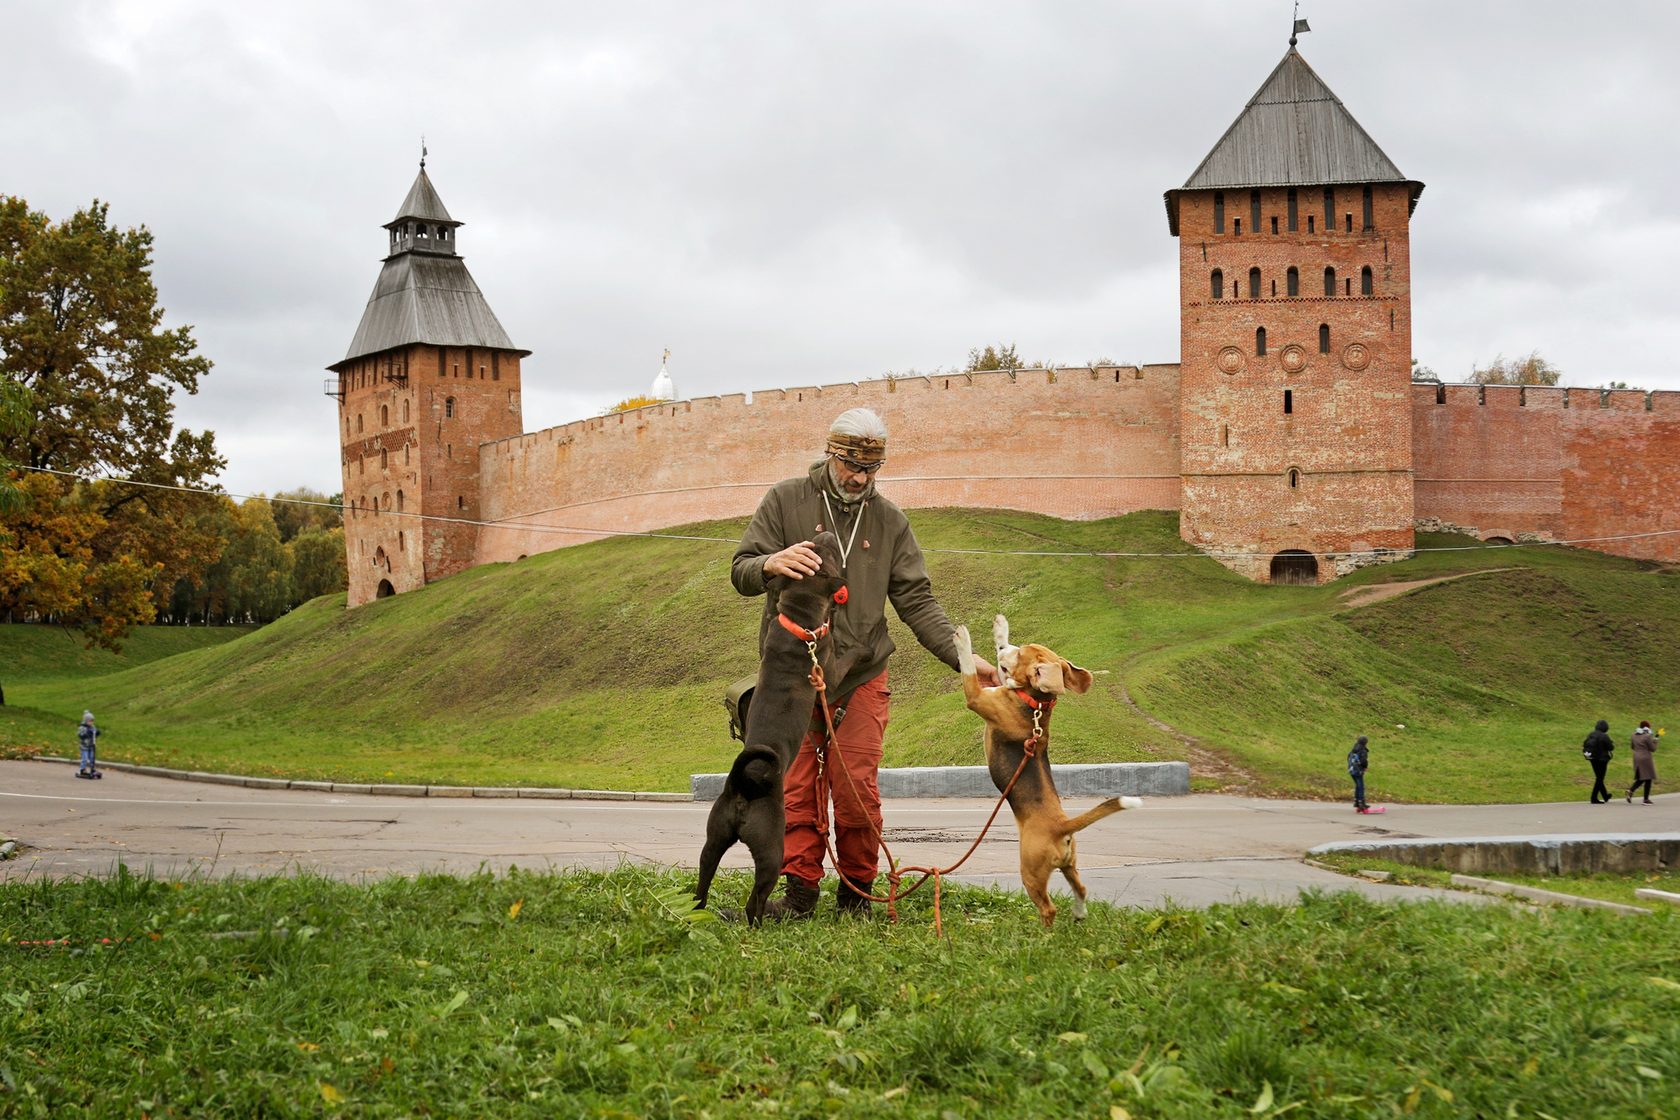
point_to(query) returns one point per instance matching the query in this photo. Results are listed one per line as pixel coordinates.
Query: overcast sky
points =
(798, 193)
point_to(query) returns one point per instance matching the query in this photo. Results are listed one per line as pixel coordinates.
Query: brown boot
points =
(854, 904)
(799, 903)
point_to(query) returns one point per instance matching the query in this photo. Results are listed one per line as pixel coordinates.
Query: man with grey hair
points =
(883, 563)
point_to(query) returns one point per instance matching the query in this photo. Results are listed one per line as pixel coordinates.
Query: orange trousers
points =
(849, 783)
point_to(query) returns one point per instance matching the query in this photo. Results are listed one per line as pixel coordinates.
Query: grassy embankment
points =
(591, 995)
(603, 667)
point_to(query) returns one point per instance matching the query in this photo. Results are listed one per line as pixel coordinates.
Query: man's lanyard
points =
(845, 548)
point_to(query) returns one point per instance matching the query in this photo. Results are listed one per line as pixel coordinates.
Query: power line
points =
(1043, 553)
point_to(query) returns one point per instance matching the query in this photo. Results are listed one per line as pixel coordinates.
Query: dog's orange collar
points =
(800, 632)
(1032, 702)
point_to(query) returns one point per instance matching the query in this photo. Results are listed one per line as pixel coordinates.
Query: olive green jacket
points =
(884, 565)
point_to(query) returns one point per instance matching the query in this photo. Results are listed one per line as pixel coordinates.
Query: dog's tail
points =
(755, 772)
(1105, 809)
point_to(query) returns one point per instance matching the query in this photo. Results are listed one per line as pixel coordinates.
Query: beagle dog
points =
(1017, 715)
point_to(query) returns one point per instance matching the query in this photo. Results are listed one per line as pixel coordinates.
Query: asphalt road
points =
(1193, 850)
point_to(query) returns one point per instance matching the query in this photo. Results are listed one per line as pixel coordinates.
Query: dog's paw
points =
(965, 651)
(1131, 803)
(1000, 632)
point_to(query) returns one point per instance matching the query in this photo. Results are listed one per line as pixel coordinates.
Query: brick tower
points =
(429, 376)
(1296, 343)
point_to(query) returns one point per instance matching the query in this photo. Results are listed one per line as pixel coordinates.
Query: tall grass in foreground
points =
(598, 995)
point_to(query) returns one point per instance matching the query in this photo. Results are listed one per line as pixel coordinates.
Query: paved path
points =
(1193, 850)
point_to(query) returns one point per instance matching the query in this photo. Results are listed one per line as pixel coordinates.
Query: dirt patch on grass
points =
(1205, 763)
(1365, 596)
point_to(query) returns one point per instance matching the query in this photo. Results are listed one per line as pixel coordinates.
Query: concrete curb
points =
(1655, 895)
(1536, 894)
(1103, 779)
(1537, 855)
(381, 790)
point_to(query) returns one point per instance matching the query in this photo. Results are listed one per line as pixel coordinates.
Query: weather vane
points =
(1300, 24)
(423, 146)
(667, 356)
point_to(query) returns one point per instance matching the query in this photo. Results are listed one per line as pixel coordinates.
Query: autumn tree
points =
(1532, 370)
(303, 510)
(84, 352)
(317, 564)
(14, 421)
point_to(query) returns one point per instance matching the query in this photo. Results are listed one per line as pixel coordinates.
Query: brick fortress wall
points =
(1072, 443)
(1550, 464)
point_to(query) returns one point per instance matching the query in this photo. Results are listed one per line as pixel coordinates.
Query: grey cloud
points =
(791, 194)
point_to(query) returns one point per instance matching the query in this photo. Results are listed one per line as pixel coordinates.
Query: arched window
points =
(460, 502)
(1292, 279)
(1254, 211)
(399, 501)
(358, 423)
(1324, 338)
(1260, 341)
(382, 460)
(1365, 285)
(384, 416)
(1329, 210)
(405, 410)
(1217, 284)
(1330, 281)
(385, 500)
(449, 406)
(1294, 478)
(1254, 283)
(1218, 211)
(1370, 217)
(1294, 212)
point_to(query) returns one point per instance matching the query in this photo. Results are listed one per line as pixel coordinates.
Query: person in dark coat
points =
(1597, 748)
(1358, 761)
(1644, 762)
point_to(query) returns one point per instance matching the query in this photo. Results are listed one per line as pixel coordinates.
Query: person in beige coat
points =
(1644, 764)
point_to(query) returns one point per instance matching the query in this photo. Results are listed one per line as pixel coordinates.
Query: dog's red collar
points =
(1034, 703)
(800, 632)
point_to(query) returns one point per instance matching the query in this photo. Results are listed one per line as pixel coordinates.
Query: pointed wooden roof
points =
(425, 296)
(1294, 132)
(422, 203)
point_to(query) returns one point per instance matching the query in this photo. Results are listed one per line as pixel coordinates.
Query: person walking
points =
(883, 563)
(87, 736)
(1597, 748)
(1359, 761)
(1644, 762)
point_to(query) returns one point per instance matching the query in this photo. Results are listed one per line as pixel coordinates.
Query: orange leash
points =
(895, 873)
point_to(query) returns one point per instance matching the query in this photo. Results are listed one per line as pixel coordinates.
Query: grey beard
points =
(839, 494)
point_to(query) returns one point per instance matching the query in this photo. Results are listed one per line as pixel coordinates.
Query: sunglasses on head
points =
(860, 468)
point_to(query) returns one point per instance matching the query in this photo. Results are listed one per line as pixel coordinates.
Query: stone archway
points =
(384, 590)
(1293, 566)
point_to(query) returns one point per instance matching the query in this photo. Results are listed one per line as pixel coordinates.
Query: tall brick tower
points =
(1296, 343)
(429, 376)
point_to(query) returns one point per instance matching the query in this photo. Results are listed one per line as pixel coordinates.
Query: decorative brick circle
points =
(1294, 358)
(1356, 356)
(1231, 360)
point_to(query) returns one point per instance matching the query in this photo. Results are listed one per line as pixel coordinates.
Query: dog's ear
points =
(1077, 679)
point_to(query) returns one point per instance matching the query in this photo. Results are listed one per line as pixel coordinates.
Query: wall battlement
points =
(1076, 443)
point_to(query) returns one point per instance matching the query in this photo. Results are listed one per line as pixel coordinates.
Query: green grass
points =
(595, 995)
(603, 666)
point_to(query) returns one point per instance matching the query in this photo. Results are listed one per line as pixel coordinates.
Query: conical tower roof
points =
(422, 203)
(1294, 132)
(424, 294)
